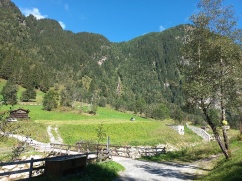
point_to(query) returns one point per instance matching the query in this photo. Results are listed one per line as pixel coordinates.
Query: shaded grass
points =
(101, 172)
(229, 170)
(106, 171)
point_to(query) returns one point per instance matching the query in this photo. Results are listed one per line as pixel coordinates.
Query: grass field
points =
(74, 126)
(229, 170)
(128, 133)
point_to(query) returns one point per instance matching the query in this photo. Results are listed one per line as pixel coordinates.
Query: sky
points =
(117, 20)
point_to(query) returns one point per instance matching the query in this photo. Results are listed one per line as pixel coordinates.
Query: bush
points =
(161, 112)
(102, 102)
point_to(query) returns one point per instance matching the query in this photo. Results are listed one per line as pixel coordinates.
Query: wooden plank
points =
(41, 159)
(20, 162)
(38, 160)
(31, 167)
(14, 172)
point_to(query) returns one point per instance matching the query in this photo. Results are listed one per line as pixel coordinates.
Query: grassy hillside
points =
(74, 126)
(229, 170)
(129, 133)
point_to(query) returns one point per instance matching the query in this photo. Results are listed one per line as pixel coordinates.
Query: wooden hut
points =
(19, 114)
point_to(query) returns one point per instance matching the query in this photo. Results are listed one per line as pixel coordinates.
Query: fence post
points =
(79, 149)
(108, 142)
(68, 150)
(31, 167)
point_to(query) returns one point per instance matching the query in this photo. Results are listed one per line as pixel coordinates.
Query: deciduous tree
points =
(50, 100)
(211, 63)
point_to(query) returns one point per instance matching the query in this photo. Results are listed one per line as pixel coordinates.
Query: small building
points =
(19, 113)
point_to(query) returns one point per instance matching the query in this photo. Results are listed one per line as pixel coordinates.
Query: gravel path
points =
(136, 170)
(52, 137)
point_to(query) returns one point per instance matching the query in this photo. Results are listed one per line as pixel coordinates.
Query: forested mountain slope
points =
(140, 75)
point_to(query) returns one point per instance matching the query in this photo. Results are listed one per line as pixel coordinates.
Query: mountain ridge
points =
(137, 75)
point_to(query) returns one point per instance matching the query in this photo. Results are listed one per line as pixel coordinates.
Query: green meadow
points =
(74, 126)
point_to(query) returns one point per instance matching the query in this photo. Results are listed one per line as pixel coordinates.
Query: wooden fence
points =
(90, 150)
(111, 150)
(32, 161)
(124, 151)
(105, 151)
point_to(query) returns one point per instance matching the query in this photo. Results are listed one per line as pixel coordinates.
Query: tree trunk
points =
(226, 140)
(225, 136)
(222, 147)
(216, 134)
(240, 127)
(223, 115)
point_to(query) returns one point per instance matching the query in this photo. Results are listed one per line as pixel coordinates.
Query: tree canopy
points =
(211, 65)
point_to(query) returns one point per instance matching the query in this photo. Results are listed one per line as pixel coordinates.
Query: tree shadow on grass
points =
(231, 172)
(93, 172)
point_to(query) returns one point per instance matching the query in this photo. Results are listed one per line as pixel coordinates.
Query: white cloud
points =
(162, 28)
(34, 11)
(62, 24)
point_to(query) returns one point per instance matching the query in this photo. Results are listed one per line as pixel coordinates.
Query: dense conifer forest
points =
(141, 75)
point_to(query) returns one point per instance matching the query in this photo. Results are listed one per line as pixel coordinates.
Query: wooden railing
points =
(90, 150)
(32, 161)
(115, 150)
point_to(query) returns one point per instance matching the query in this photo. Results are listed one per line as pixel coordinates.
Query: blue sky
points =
(117, 20)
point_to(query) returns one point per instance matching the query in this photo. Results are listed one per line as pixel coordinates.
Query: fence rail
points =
(104, 151)
(32, 161)
(90, 150)
(123, 151)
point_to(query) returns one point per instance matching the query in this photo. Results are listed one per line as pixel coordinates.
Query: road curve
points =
(136, 170)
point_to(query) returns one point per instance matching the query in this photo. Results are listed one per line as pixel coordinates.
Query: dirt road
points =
(136, 170)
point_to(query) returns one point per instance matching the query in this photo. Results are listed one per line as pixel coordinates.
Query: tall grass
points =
(127, 133)
(229, 170)
(188, 154)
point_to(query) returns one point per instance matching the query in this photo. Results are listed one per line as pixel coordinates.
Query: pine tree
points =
(28, 94)
(50, 100)
(9, 93)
